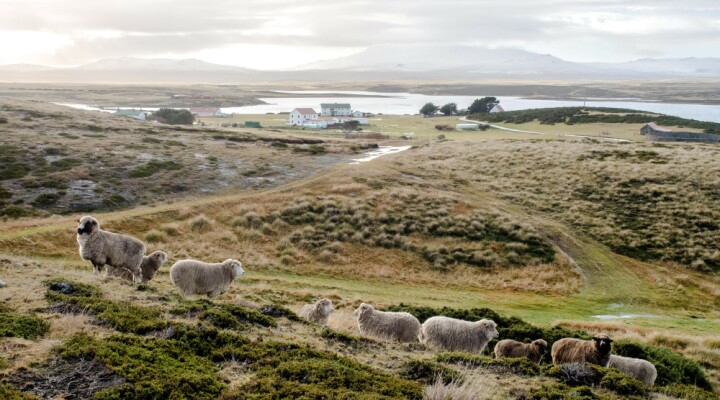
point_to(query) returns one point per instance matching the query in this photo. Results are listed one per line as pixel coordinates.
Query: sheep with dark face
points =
(318, 312)
(197, 277)
(637, 368)
(149, 266)
(509, 348)
(107, 248)
(594, 351)
(400, 326)
(457, 335)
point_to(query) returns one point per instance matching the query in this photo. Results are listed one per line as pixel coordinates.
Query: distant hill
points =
(384, 62)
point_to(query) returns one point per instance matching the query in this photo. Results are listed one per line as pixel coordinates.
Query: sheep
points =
(400, 326)
(318, 312)
(594, 351)
(197, 277)
(454, 334)
(149, 267)
(107, 248)
(509, 348)
(637, 368)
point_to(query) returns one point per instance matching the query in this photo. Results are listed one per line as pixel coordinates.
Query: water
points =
(408, 103)
(381, 151)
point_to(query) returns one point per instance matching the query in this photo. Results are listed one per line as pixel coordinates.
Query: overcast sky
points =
(275, 34)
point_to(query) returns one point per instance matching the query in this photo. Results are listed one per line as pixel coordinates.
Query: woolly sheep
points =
(594, 351)
(197, 277)
(318, 312)
(457, 335)
(509, 348)
(107, 248)
(149, 267)
(400, 326)
(637, 368)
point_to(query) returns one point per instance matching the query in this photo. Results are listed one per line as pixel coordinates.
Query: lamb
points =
(595, 351)
(457, 335)
(197, 277)
(318, 312)
(107, 248)
(509, 348)
(149, 267)
(637, 368)
(400, 326)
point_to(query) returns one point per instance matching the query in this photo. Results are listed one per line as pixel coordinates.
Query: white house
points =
(336, 109)
(315, 124)
(358, 114)
(498, 108)
(299, 116)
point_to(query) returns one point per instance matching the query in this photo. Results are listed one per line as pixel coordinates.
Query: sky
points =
(281, 34)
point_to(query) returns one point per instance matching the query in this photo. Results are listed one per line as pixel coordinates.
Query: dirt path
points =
(502, 128)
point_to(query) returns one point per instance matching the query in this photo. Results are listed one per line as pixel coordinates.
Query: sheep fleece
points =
(197, 277)
(509, 348)
(316, 312)
(455, 334)
(637, 368)
(149, 267)
(400, 326)
(108, 248)
(569, 350)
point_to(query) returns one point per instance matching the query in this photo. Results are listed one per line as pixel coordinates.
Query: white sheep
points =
(197, 277)
(457, 335)
(400, 326)
(637, 368)
(570, 350)
(149, 267)
(318, 312)
(107, 248)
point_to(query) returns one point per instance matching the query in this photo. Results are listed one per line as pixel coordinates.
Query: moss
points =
(672, 367)
(279, 311)
(8, 393)
(22, 326)
(520, 366)
(682, 391)
(226, 316)
(428, 372)
(154, 167)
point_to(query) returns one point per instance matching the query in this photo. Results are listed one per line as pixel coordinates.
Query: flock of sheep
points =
(124, 256)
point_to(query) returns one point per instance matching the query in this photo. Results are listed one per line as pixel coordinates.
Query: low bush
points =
(518, 366)
(9, 393)
(21, 326)
(559, 391)
(427, 372)
(154, 167)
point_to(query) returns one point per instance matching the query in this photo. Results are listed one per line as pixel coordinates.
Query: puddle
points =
(382, 151)
(627, 316)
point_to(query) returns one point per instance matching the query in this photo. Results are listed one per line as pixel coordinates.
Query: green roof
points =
(335, 105)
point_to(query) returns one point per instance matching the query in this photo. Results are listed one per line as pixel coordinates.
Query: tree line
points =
(479, 106)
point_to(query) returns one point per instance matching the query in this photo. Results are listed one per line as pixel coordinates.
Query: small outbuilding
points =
(137, 114)
(252, 124)
(467, 127)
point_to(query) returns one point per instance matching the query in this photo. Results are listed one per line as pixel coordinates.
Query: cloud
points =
(616, 29)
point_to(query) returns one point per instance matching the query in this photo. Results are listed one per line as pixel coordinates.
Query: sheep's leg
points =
(97, 268)
(215, 293)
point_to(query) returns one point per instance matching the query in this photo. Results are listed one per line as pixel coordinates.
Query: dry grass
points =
(467, 390)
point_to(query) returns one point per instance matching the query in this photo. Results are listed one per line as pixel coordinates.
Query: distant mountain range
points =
(385, 62)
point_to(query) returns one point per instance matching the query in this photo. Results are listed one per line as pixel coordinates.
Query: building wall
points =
(336, 112)
(655, 136)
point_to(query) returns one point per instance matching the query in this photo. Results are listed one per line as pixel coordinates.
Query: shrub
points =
(559, 391)
(682, 391)
(46, 200)
(519, 366)
(427, 372)
(201, 224)
(22, 326)
(672, 367)
(9, 393)
(153, 167)
(154, 236)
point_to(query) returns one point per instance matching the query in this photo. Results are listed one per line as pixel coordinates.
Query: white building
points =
(137, 114)
(358, 114)
(498, 108)
(336, 109)
(299, 116)
(315, 124)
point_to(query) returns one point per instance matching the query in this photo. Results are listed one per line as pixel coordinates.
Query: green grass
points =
(21, 326)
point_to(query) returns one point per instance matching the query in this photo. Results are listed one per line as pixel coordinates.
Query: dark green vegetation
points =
(427, 372)
(483, 105)
(224, 316)
(591, 115)
(22, 326)
(9, 393)
(428, 109)
(397, 220)
(593, 375)
(175, 116)
(154, 167)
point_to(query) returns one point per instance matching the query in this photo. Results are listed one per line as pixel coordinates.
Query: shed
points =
(252, 124)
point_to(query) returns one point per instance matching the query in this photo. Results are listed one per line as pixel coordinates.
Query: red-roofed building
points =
(299, 116)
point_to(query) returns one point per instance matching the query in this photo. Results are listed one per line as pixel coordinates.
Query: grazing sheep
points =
(509, 348)
(457, 335)
(149, 267)
(318, 312)
(197, 277)
(637, 368)
(400, 326)
(595, 351)
(107, 248)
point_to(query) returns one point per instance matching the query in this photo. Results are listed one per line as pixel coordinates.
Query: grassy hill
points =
(542, 236)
